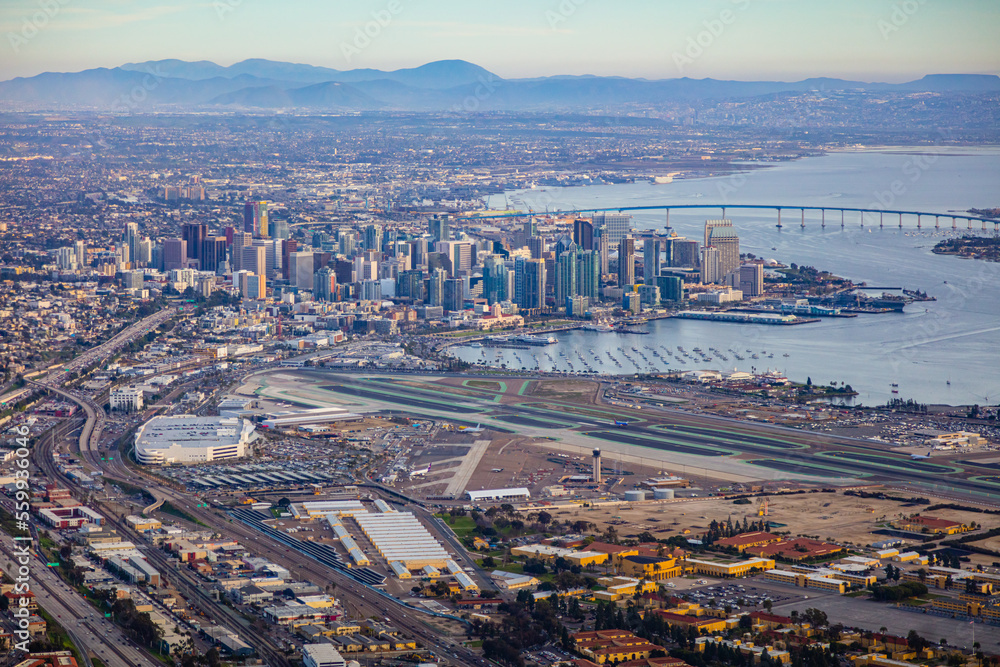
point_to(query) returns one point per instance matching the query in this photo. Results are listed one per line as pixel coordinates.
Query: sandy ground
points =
(826, 516)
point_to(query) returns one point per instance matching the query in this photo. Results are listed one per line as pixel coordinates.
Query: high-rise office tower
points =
(144, 252)
(174, 254)
(751, 281)
(722, 235)
(411, 284)
(435, 287)
(566, 275)
(348, 243)
(254, 259)
(80, 248)
(495, 280)
(626, 262)
(684, 253)
(249, 217)
(301, 270)
(711, 265)
(325, 285)
(671, 288)
(420, 253)
(440, 228)
(454, 294)
(530, 228)
(261, 222)
(213, 252)
(193, 234)
(240, 240)
(131, 238)
(529, 281)
(583, 234)
(279, 228)
(536, 245)
(650, 260)
(588, 276)
(255, 218)
(604, 247)
(288, 246)
(616, 225)
(373, 238)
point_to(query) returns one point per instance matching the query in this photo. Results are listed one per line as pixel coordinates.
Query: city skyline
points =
(738, 40)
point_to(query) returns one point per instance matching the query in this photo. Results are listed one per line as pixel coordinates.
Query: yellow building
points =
(726, 569)
(931, 524)
(953, 606)
(649, 567)
(585, 558)
(142, 524)
(824, 581)
(619, 588)
(755, 651)
(342, 628)
(684, 617)
(613, 646)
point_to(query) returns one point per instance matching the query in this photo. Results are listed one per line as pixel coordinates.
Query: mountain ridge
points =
(434, 86)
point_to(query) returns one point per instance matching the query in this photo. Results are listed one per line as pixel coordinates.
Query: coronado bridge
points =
(864, 216)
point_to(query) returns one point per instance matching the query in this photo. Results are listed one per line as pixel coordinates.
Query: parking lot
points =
(743, 594)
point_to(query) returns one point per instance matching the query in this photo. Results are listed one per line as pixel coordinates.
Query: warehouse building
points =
(400, 537)
(519, 493)
(187, 439)
(321, 508)
(70, 517)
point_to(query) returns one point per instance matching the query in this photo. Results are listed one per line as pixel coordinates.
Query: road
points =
(88, 628)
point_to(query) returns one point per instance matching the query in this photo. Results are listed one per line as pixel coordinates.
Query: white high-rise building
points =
(300, 272)
(616, 225)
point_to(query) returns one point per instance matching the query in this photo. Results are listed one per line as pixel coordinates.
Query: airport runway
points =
(694, 440)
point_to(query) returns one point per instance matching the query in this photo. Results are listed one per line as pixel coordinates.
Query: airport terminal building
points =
(186, 439)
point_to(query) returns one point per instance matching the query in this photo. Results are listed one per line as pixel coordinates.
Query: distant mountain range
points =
(437, 86)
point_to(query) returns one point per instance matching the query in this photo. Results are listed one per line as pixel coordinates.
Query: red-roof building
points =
(798, 549)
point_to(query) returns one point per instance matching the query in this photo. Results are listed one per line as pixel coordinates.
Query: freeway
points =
(671, 429)
(89, 630)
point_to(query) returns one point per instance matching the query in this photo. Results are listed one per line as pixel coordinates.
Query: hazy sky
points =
(884, 40)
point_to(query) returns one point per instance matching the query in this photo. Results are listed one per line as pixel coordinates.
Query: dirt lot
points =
(827, 516)
(575, 391)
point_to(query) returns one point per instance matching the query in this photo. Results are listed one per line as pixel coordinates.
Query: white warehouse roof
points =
(499, 494)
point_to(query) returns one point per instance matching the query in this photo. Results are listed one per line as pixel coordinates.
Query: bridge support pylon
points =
(822, 219)
(779, 218)
(937, 222)
(880, 219)
(900, 220)
(918, 221)
(803, 219)
(668, 219)
(841, 218)
(970, 223)
(953, 224)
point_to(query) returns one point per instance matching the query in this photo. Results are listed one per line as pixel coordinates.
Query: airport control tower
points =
(597, 466)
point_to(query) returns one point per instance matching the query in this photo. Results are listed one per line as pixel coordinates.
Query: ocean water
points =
(954, 339)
